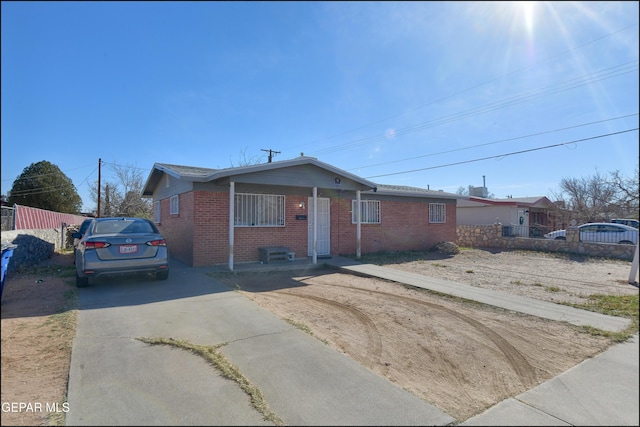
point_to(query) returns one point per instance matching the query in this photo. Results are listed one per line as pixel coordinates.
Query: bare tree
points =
(123, 197)
(628, 193)
(245, 160)
(109, 198)
(132, 183)
(598, 198)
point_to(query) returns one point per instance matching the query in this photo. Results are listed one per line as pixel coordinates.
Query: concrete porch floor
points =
(285, 265)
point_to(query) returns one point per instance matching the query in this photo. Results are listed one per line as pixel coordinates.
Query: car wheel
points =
(162, 275)
(625, 242)
(561, 238)
(82, 282)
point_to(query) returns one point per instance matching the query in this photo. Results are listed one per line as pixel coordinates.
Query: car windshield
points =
(123, 226)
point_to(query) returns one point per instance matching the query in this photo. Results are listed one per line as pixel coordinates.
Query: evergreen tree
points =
(43, 185)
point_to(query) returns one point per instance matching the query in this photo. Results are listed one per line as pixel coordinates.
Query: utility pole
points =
(271, 153)
(99, 167)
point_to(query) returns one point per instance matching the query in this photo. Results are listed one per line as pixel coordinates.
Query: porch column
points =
(358, 225)
(232, 197)
(314, 253)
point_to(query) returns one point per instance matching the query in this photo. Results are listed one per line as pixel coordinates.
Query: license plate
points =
(128, 249)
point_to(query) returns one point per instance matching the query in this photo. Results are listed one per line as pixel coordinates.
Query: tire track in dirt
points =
(374, 354)
(452, 371)
(516, 360)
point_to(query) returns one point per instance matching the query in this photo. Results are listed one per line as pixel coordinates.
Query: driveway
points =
(117, 379)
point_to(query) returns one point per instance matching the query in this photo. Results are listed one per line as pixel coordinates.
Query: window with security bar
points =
(174, 205)
(369, 212)
(259, 210)
(437, 213)
(156, 212)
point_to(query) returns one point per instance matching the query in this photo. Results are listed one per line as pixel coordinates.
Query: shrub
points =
(447, 248)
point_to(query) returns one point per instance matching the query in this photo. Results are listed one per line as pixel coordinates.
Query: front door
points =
(324, 228)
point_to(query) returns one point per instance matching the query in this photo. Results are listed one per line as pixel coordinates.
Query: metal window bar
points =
(174, 205)
(156, 212)
(259, 210)
(437, 213)
(369, 211)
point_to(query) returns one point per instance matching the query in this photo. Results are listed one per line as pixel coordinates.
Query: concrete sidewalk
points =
(598, 392)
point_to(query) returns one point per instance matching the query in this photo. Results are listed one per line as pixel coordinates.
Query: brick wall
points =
(404, 226)
(178, 229)
(211, 218)
(199, 234)
(212, 245)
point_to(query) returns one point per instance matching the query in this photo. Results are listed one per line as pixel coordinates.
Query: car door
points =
(589, 233)
(611, 234)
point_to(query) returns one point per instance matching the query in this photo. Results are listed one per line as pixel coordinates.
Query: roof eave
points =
(230, 172)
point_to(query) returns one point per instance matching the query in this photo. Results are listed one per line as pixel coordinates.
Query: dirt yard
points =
(459, 356)
(37, 335)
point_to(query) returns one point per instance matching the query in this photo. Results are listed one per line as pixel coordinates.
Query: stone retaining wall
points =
(490, 236)
(33, 246)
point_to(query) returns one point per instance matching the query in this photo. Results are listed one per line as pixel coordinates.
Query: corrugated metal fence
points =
(28, 218)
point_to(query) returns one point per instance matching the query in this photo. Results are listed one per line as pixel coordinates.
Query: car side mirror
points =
(76, 235)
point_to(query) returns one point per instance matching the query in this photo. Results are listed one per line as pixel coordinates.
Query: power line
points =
(43, 174)
(473, 87)
(505, 155)
(494, 142)
(271, 153)
(42, 190)
(493, 106)
(114, 164)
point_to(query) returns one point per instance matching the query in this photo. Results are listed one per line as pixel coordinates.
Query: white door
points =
(324, 228)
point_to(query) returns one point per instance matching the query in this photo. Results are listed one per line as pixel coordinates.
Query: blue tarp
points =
(7, 252)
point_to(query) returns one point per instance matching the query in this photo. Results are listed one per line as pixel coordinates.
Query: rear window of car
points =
(85, 224)
(630, 222)
(123, 226)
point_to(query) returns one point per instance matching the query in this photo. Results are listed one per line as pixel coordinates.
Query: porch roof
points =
(200, 174)
(534, 202)
(407, 191)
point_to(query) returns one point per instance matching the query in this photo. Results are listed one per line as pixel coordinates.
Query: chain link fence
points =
(8, 218)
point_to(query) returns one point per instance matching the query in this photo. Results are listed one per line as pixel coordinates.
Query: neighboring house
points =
(217, 216)
(523, 216)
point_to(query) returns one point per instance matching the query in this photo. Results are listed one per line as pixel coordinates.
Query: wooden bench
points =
(269, 253)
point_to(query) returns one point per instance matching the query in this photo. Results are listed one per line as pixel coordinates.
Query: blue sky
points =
(427, 94)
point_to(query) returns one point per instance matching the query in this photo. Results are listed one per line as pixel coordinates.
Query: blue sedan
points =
(120, 246)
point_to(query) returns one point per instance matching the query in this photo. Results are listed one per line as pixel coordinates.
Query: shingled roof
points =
(201, 174)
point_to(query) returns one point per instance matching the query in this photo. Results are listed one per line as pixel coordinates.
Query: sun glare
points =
(528, 10)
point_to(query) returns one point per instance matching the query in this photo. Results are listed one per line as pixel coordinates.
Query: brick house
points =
(218, 216)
